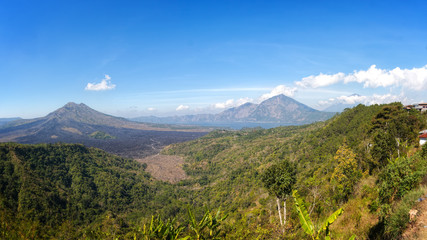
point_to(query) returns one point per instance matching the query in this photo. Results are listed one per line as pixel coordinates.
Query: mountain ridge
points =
(279, 109)
(78, 123)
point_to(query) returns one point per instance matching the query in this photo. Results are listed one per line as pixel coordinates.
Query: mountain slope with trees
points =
(366, 162)
(338, 163)
(49, 188)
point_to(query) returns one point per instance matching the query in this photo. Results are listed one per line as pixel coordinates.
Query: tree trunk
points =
(284, 212)
(278, 208)
(398, 146)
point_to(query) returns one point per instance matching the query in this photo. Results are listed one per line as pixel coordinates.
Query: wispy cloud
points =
(413, 79)
(105, 84)
(182, 107)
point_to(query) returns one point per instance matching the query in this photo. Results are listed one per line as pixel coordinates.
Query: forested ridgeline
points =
(68, 190)
(365, 161)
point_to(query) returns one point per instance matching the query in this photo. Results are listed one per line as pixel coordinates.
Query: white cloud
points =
(105, 84)
(232, 103)
(414, 79)
(281, 89)
(324, 102)
(182, 107)
(353, 99)
(367, 100)
(151, 109)
(321, 80)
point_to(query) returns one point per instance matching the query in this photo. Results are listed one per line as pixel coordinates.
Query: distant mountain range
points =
(78, 123)
(339, 107)
(4, 121)
(275, 111)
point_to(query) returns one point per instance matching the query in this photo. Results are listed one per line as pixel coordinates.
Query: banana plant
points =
(213, 224)
(304, 217)
(307, 224)
(208, 226)
(197, 226)
(157, 229)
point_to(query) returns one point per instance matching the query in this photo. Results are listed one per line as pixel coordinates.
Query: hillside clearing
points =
(165, 167)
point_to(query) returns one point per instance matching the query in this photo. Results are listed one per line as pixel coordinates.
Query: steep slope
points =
(225, 168)
(340, 163)
(286, 110)
(84, 114)
(44, 188)
(240, 113)
(78, 123)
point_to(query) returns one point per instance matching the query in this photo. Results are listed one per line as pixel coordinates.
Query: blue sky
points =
(133, 58)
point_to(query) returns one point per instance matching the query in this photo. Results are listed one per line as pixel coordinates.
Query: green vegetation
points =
(157, 229)
(308, 226)
(365, 161)
(398, 188)
(398, 217)
(337, 162)
(46, 188)
(279, 179)
(345, 174)
(209, 227)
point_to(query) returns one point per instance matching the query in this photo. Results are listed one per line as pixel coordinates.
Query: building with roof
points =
(418, 106)
(423, 138)
(421, 107)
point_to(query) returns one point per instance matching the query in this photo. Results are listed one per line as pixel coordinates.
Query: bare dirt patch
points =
(165, 167)
(418, 228)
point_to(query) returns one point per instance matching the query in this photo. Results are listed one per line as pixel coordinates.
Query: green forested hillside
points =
(366, 161)
(45, 188)
(340, 162)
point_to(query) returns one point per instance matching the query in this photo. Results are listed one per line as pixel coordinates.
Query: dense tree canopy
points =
(280, 178)
(54, 184)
